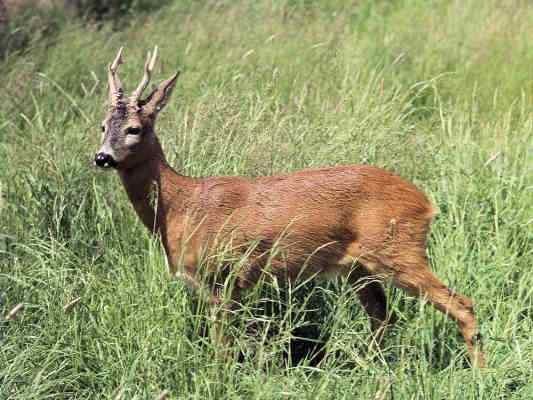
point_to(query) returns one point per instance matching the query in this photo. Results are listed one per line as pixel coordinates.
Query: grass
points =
(440, 92)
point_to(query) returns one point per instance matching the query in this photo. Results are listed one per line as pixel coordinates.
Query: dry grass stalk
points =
(70, 305)
(492, 158)
(14, 311)
(163, 395)
(119, 393)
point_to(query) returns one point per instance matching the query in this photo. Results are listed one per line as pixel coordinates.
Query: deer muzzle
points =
(104, 160)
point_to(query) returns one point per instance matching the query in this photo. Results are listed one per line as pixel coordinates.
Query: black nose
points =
(104, 160)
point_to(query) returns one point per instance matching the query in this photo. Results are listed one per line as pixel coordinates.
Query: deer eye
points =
(103, 128)
(133, 130)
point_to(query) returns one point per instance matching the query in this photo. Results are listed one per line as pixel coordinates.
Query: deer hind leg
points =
(416, 278)
(373, 299)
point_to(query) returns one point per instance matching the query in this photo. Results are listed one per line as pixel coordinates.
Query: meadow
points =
(440, 92)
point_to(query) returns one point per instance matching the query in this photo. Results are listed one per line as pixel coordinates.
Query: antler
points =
(115, 86)
(148, 68)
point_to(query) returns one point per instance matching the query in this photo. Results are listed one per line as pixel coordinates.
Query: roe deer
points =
(356, 221)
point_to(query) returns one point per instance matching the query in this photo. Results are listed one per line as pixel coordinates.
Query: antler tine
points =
(115, 86)
(148, 68)
(154, 57)
(117, 61)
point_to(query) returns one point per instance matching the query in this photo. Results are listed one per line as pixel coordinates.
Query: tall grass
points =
(440, 92)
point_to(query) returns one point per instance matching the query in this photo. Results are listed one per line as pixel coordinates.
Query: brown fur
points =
(356, 221)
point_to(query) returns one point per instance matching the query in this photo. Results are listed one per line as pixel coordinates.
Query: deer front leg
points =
(199, 289)
(223, 303)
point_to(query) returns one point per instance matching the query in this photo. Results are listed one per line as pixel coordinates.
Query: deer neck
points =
(155, 190)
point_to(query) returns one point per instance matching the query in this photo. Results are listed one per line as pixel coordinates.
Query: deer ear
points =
(157, 100)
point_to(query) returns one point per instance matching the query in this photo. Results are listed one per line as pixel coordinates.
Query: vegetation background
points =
(438, 91)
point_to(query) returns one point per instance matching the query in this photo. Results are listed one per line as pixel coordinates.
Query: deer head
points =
(128, 137)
